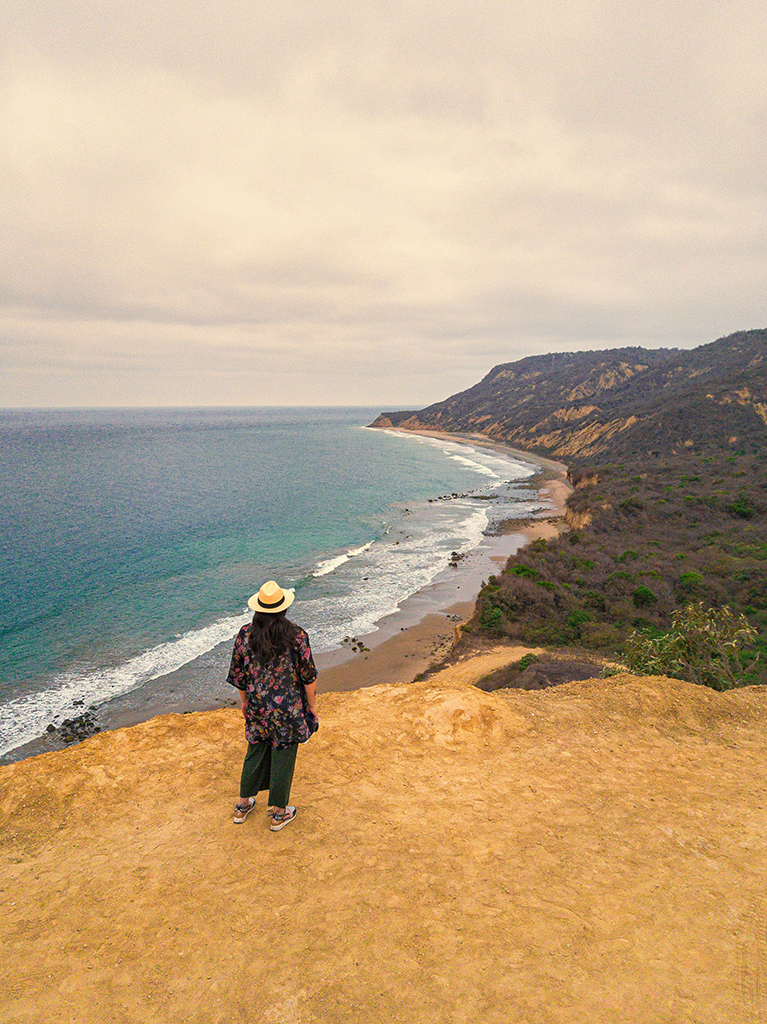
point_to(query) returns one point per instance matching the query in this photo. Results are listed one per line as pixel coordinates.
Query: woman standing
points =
(273, 669)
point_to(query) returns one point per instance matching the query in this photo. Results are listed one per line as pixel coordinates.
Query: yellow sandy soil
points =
(592, 853)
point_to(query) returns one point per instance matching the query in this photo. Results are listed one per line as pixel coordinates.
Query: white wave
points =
(489, 462)
(420, 438)
(485, 461)
(397, 567)
(329, 564)
(474, 527)
(25, 718)
(476, 466)
(511, 470)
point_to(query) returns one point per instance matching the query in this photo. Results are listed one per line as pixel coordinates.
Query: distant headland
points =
(625, 402)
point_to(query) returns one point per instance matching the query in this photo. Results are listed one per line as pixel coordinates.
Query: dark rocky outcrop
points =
(540, 675)
(77, 729)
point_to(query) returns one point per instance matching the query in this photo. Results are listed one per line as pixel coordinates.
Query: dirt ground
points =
(592, 853)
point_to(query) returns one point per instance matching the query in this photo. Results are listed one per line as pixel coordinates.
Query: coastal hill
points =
(617, 403)
(667, 454)
(592, 852)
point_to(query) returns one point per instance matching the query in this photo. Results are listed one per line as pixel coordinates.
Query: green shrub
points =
(704, 646)
(491, 617)
(741, 508)
(526, 571)
(632, 506)
(575, 621)
(643, 597)
(548, 636)
(689, 583)
(593, 599)
(633, 555)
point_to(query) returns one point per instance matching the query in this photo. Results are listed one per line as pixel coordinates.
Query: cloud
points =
(212, 200)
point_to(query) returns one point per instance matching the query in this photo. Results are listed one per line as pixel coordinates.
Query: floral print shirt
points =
(275, 711)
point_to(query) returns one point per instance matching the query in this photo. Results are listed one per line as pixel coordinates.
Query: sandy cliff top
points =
(594, 852)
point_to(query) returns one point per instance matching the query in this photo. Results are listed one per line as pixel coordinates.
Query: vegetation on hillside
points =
(653, 538)
(704, 646)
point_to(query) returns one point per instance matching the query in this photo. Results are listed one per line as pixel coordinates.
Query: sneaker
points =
(281, 820)
(241, 811)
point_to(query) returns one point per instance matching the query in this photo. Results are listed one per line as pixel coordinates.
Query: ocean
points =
(132, 538)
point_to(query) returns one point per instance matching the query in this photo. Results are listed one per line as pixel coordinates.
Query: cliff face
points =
(624, 402)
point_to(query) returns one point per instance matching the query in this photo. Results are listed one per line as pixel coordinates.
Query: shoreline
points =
(397, 657)
(405, 642)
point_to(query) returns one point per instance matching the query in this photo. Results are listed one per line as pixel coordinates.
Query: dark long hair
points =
(271, 634)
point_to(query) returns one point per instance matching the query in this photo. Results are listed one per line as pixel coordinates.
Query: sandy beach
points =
(408, 642)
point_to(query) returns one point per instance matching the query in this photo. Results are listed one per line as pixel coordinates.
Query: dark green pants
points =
(265, 768)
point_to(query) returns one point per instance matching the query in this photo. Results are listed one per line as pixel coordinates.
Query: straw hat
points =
(271, 598)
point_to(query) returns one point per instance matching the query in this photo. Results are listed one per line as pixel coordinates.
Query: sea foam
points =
(329, 564)
(26, 717)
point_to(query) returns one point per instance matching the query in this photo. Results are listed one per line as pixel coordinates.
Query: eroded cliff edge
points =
(589, 852)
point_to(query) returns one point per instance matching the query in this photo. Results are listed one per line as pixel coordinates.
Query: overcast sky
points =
(339, 202)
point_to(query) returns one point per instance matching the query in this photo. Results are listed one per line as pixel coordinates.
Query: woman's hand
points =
(244, 707)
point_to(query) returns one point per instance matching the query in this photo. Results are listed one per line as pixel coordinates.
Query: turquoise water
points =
(132, 539)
